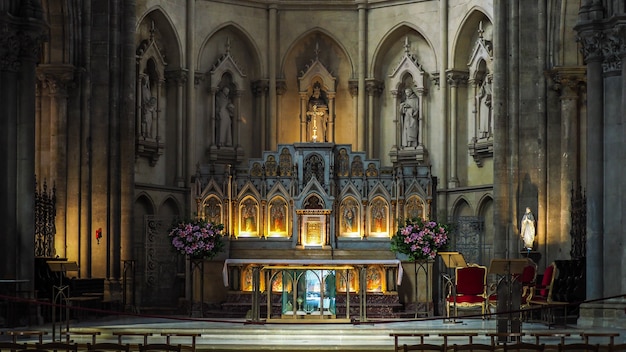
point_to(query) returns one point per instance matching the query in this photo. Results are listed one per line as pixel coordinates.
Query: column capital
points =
(456, 78)
(374, 87)
(281, 87)
(353, 87)
(56, 78)
(260, 87)
(20, 40)
(176, 77)
(568, 80)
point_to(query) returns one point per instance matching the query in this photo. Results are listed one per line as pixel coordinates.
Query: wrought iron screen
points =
(468, 237)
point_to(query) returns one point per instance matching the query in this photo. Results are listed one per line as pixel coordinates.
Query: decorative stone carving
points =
(408, 90)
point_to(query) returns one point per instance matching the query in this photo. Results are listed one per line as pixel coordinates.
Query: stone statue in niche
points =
(349, 216)
(378, 216)
(278, 216)
(344, 163)
(225, 111)
(483, 100)
(248, 215)
(527, 231)
(148, 109)
(317, 116)
(409, 113)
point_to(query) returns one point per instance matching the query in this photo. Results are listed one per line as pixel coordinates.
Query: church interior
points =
(311, 131)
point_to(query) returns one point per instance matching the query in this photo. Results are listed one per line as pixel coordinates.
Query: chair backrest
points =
(579, 347)
(58, 346)
(424, 347)
(547, 280)
(108, 347)
(529, 274)
(471, 280)
(155, 347)
(12, 346)
(524, 346)
(470, 347)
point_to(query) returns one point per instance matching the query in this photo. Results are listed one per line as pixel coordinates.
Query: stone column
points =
(330, 130)
(362, 65)
(55, 79)
(592, 51)
(190, 134)
(259, 91)
(21, 34)
(501, 210)
(281, 88)
(304, 135)
(568, 81)
(178, 79)
(353, 88)
(272, 54)
(455, 79)
(373, 89)
(397, 120)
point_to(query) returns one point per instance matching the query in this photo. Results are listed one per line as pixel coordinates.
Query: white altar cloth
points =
(336, 262)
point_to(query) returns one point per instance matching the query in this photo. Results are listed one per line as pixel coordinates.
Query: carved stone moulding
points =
(227, 155)
(417, 155)
(150, 149)
(481, 150)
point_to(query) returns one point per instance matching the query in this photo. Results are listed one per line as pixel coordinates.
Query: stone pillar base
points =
(607, 314)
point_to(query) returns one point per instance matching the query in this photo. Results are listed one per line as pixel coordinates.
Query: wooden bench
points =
(398, 335)
(611, 335)
(120, 334)
(15, 334)
(93, 335)
(169, 335)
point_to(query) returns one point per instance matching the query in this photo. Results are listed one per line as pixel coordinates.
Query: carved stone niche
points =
(150, 105)
(407, 75)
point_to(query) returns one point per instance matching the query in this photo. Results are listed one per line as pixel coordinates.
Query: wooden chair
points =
(160, 347)
(57, 346)
(108, 347)
(578, 347)
(524, 347)
(470, 289)
(426, 347)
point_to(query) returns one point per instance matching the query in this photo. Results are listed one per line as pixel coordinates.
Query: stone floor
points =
(242, 335)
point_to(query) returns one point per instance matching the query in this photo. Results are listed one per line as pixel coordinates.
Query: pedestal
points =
(196, 265)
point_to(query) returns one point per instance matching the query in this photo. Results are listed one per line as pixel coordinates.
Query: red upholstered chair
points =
(543, 292)
(470, 289)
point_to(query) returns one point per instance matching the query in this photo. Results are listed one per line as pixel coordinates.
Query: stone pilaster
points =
(21, 34)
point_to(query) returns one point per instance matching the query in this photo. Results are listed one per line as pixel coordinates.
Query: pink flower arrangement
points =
(420, 239)
(197, 238)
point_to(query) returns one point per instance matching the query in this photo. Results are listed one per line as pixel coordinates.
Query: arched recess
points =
(485, 212)
(169, 208)
(471, 76)
(232, 52)
(467, 237)
(316, 45)
(279, 217)
(143, 207)
(159, 103)
(402, 41)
